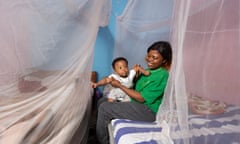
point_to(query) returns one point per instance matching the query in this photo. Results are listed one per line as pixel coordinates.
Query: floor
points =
(92, 139)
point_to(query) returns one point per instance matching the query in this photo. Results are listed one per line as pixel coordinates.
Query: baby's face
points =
(121, 68)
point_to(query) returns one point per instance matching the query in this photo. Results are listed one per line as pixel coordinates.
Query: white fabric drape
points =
(204, 76)
(140, 24)
(46, 55)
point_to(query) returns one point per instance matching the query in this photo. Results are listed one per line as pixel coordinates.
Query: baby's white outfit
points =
(117, 93)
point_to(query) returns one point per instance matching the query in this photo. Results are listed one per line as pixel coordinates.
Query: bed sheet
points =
(221, 129)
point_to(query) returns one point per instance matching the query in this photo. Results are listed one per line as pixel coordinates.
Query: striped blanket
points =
(221, 129)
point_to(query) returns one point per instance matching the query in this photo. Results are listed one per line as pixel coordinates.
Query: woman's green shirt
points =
(152, 87)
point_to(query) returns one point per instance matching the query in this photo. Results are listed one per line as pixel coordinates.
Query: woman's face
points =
(154, 59)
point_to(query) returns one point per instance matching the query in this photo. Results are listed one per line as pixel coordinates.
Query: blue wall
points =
(104, 47)
(103, 52)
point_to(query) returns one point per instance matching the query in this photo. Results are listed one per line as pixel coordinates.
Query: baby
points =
(124, 76)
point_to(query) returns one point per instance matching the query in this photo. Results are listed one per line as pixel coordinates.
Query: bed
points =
(220, 127)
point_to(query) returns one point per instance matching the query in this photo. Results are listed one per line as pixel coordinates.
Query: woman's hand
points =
(115, 83)
(130, 92)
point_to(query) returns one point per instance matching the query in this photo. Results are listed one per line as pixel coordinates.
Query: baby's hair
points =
(118, 59)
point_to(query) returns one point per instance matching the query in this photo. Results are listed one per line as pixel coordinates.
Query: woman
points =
(145, 97)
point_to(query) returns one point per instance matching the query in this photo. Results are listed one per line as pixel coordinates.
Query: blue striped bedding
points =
(137, 132)
(221, 129)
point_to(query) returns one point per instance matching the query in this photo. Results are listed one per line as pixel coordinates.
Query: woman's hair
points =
(118, 59)
(165, 49)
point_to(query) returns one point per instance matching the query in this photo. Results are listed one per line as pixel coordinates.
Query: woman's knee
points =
(102, 110)
(100, 101)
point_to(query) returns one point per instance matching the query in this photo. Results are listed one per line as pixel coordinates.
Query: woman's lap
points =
(127, 110)
(120, 110)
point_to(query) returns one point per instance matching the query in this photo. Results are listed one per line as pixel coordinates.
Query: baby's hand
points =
(139, 69)
(136, 67)
(94, 85)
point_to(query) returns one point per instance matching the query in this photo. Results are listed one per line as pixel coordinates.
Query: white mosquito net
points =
(46, 56)
(201, 102)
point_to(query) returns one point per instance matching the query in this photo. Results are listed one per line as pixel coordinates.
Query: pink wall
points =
(212, 53)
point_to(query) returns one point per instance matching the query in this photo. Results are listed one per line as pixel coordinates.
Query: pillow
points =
(203, 106)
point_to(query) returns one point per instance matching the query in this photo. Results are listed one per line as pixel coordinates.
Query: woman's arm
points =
(130, 92)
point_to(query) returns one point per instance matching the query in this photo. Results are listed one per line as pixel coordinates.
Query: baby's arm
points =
(143, 71)
(139, 69)
(102, 82)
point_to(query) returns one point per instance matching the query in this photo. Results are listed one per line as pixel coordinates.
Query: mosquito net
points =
(46, 55)
(201, 102)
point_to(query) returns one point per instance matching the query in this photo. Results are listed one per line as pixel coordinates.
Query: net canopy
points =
(201, 101)
(46, 56)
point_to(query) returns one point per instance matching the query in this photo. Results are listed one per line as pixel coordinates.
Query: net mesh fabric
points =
(46, 59)
(204, 77)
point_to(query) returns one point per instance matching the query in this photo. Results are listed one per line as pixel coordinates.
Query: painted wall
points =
(103, 52)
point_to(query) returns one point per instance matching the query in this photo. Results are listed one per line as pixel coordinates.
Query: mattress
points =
(221, 128)
(123, 131)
